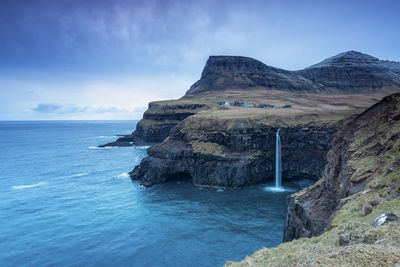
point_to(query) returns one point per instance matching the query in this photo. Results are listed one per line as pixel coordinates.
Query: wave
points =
(142, 147)
(107, 136)
(123, 175)
(78, 174)
(97, 147)
(28, 186)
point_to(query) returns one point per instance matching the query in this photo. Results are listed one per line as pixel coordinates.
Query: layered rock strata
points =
(234, 153)
(346, 72)
(158, 121)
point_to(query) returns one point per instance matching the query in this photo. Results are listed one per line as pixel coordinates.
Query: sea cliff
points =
(349, 82)
(336, 218)
(222, 132)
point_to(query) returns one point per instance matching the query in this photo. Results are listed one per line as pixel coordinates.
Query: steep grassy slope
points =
(364, 174)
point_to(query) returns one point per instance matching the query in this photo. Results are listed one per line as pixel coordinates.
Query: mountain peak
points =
(244, 73)
(236, 64)
(346, 58)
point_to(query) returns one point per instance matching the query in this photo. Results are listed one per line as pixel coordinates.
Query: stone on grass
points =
(344, 239)
(384, 218)
(376, 202)
(367, 209)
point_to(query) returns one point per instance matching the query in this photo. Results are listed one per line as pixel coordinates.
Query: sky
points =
(107, 59)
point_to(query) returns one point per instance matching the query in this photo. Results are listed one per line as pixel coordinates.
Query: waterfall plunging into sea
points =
(278, 161)
(278, 169)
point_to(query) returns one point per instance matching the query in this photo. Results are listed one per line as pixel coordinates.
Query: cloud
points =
(54, 108)
(47, 108)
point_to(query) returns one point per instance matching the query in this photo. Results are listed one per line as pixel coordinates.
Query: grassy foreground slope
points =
(374, 161)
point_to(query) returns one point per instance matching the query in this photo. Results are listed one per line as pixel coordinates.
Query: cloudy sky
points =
(99, 59)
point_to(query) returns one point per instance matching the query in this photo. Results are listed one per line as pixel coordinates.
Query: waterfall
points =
(278, 161)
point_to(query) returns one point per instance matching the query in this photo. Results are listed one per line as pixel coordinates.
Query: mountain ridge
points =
(350, 71)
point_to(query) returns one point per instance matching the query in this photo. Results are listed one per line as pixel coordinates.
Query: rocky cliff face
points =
(158, 121)
(361, 151)
(234, 72)
(234, 153)
(347, 72)
(160, 118)
(352, 72)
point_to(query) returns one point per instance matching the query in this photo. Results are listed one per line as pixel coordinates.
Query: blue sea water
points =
(65, 202)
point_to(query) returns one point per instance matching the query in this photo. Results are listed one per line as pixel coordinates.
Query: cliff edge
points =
(340, 212)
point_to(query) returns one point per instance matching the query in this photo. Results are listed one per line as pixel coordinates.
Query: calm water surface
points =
(65, 202)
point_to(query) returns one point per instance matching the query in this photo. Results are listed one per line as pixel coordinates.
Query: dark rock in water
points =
(384, 218)
(287, 106)
(310, 211)
(344, 239)
(126, 140)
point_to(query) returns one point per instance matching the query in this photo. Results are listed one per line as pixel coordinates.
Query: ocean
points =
(66, 202)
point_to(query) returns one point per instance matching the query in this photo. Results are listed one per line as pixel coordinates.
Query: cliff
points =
(234, 152)
(361, 181)
(235, 78)
(233, 146)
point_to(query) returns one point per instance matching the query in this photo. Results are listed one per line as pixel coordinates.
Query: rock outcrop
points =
(161, 117)
(158, 121)
(357, 156)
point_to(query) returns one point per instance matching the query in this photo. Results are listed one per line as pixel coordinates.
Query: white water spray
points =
(278, 161)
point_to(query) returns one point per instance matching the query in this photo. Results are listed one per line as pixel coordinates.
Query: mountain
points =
(347, 75)
(353, 72)
(243, 73)
(347, 72)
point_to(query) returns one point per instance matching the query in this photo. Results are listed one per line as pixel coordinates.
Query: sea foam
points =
(123, 175)
(79, 174)
(107, 136)
(142, 147)
(28, 186)
(96, 147)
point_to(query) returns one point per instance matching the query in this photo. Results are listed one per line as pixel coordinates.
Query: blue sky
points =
(81, 59)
